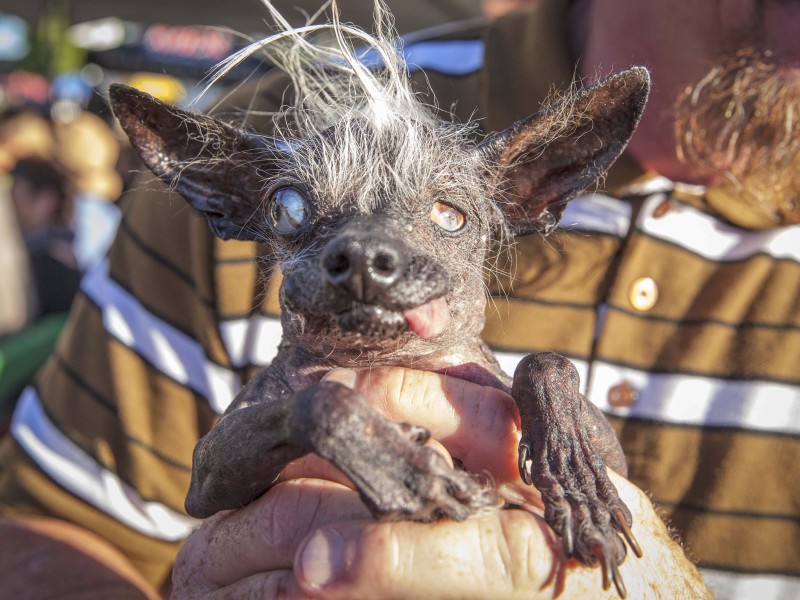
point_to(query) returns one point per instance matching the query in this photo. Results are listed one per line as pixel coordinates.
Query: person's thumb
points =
(505, 554)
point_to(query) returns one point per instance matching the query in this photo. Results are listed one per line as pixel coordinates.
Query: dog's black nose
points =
(364, 265)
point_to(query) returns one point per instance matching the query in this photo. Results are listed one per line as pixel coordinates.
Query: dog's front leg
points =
(565, 447)
(395, 474)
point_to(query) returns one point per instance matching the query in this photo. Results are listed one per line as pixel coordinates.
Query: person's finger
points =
(262, 536)
(505, 554)
(313, 466)
(477, 424)
(274, 585)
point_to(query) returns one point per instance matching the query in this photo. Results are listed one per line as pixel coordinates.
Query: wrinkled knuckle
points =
(277, 515)
(405, 382)
(380, 387)
(385, 556)
(498, 412)
(533, 554)
(276, 587)
(479, 414)
(188, 573)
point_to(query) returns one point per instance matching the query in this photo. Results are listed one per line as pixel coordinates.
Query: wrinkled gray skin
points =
(354, 267)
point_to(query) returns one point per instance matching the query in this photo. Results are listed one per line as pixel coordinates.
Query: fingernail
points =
(321, 561)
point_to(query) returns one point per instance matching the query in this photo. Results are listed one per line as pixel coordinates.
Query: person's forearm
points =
(46, 558)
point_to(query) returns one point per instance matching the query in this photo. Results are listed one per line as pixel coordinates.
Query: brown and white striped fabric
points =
(684, 326)
(686, 332)
(155, 349)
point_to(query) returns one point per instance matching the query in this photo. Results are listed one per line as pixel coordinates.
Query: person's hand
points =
(311, 537)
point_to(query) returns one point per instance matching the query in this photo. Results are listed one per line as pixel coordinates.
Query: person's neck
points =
(600, 43)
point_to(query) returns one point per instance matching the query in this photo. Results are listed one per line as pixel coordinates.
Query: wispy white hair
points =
(330, 79)
(356, 126)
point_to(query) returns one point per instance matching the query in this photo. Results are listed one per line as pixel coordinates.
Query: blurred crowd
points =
(61, 172)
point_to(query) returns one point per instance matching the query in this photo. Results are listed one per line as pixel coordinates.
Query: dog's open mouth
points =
(426, 320)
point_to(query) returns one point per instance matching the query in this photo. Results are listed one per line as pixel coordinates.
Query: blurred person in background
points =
(42, 201)
(39, 192)
(22, 133)
(90, 150)
(44, 277)
(58, 198)
(674, 291)
(15, 284)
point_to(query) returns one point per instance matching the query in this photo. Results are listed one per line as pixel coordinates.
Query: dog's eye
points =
(447, 217)
(288, 210)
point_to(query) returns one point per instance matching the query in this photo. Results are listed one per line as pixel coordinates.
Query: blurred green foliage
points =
(52, 52)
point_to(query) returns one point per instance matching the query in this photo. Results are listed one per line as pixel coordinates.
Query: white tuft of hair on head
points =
(329, 79)
(357, 129)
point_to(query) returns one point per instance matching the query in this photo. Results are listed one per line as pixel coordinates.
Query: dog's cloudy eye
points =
(288, 210)
(447, 217)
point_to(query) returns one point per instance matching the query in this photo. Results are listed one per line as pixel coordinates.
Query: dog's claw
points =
(523, 457)
(610, 570)
(577, 517)
(622, 526)
(598, 552)
(566, 536)
(418, 435)
(618, 582)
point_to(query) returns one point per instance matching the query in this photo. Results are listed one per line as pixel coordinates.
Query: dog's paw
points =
(422, 486)
(582, 506)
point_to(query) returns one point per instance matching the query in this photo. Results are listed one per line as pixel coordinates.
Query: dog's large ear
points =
(544, 161)
(220, 170)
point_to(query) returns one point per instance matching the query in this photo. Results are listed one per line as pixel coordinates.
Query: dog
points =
(380, 215)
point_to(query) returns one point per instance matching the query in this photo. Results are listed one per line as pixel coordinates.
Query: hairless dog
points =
(381, 215)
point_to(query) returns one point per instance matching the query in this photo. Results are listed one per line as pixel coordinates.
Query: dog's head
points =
(379, 213)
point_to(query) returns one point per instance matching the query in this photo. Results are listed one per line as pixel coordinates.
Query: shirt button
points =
(622, 395)
(643, 294)
(662, 209)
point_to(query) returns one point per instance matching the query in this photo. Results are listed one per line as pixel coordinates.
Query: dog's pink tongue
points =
(429, 319)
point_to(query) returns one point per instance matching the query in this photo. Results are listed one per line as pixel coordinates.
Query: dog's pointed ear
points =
(542, 162)
(219, 169)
